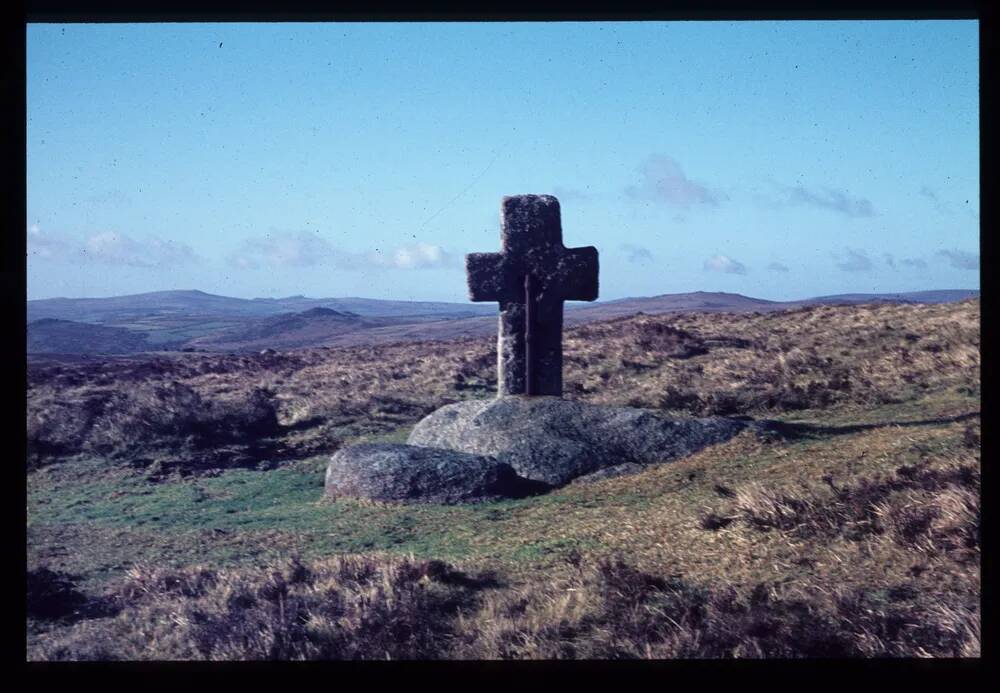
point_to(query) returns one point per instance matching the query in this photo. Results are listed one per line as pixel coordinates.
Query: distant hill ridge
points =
(54, 336)
(287, 330)
(194, 319)
(193, 301)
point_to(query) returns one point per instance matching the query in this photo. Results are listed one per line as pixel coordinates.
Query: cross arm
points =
(485, 275)
(576, 274)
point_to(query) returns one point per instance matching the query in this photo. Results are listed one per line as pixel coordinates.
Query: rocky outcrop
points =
(406, 473)
(554, 441)
(514, 446)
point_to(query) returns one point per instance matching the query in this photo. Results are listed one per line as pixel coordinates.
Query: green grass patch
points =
(117, 517)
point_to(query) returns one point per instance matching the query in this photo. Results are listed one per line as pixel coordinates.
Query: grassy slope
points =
(196, 410)
(96, 520)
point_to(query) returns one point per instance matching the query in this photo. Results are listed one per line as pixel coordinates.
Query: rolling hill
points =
(199, 303)
(52, 336)
(286, 331)
(195, 320)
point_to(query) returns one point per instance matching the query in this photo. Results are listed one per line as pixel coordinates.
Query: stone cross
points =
(530, 279)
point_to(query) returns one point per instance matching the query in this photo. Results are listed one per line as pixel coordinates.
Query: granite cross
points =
(530, 279)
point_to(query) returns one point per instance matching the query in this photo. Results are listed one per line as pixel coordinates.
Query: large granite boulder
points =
(553, 441)
(395, 472)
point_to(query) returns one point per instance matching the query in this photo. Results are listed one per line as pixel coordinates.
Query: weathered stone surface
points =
(531, 234)
(405, 473)
(554, 441)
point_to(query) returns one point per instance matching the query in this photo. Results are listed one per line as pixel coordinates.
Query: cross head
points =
(530, 278)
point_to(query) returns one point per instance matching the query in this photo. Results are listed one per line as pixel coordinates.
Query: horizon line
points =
(402, 300)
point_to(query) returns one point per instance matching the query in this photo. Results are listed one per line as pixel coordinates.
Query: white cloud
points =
(839, 201)
(724, 263)
(288, 249)
(108, 248)
(307, 249)
(46, 245)
(118, 249)
(414, 256)
(664, 181)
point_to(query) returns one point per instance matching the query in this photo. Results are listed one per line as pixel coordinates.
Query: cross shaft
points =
(533, 274)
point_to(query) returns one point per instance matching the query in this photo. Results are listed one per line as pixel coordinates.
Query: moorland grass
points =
(855, 532)
(644, 516)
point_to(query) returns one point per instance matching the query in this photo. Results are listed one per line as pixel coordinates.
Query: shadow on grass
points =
(52, 595)
(793, 431)
(448, 575)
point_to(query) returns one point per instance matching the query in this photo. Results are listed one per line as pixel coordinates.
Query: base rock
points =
(553, 441)
(395, 472)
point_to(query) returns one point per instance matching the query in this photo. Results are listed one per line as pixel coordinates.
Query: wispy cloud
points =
(830, 199)
(636, 253)
(118, 249)
(948, 208)
(109, 248)
(664, 181)
(414, 256)
(290, 249)
(287, 249)
(777, 267)
(940, 205)
(960, 259)
(855, 261)
(927, 192)
(914, 262)
(889, 260)
(724, 263)
(43, 244)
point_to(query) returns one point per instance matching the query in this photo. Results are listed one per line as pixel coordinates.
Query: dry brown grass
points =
(801, 359)
(818, 557)
(349, 607)
(179, 409)
(857, 533)
(368, 607)
(931, 507)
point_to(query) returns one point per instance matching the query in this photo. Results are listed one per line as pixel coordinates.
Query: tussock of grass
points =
(368, 607)
(931, 507)
(611, 610)
(350, 607)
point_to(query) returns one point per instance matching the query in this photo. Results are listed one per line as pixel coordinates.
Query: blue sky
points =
(775, 159)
